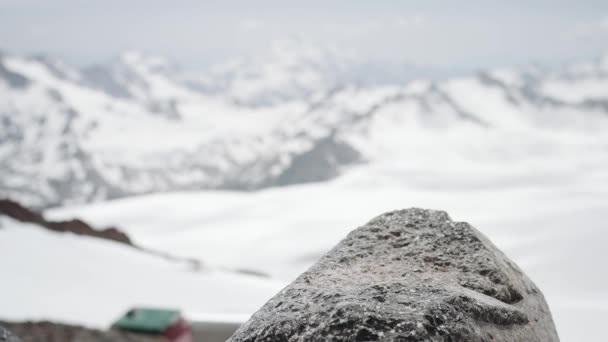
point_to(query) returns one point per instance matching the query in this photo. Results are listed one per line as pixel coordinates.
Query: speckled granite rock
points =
(409, 275)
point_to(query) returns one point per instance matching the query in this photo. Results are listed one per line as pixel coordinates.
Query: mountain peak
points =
(294, 51)
(137, 59)
(296, 114)
(291, 69)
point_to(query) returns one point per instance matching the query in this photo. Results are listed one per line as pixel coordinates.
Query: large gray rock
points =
(409, 275)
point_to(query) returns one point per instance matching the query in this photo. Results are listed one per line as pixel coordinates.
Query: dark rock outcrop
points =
(409, 275)
(23, 214)
(20, 213)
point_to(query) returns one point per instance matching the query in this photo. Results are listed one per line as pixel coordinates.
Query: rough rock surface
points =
(409, 275)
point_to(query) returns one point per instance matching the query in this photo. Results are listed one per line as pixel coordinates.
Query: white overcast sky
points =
(446, 34)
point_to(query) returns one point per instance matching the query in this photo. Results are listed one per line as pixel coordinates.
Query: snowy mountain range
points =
(139, 124)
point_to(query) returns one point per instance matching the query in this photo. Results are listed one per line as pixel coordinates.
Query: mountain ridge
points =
(138, 124)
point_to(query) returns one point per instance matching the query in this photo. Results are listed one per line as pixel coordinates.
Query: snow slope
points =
(552, 225)
(69, 278)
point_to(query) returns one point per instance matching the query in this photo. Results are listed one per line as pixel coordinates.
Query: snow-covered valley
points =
(555, 231)
(264, 165)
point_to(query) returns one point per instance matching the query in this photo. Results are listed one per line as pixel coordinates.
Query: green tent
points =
(147, 320)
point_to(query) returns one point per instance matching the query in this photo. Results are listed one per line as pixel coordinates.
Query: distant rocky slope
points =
(18, 212)
(408, 275)
(139, 124)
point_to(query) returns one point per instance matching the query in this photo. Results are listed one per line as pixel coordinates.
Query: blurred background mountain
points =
(301, 113)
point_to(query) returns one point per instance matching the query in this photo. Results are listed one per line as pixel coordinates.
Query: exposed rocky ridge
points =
(76, 226)
(56, 332)
(409, 275)
(18, 212)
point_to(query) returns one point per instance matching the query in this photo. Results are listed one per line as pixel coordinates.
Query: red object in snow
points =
(179, 332)
(160, 322)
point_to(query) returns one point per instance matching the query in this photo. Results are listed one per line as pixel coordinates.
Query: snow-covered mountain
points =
(139, 124)
(291, 70)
